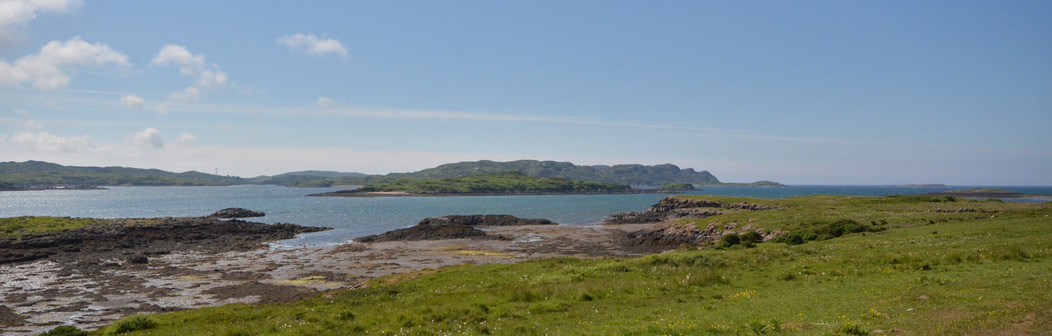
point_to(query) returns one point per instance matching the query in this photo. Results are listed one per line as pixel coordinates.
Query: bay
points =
(355, 217)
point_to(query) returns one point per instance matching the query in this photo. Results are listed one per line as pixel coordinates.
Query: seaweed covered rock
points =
(484, 220)
(453, 227)
(236, 213)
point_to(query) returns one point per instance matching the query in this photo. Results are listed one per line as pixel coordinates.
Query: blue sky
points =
(815, 92)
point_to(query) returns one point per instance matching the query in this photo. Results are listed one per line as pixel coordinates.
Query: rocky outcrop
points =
(675, 207)
(668, 236)
(453, 227)
(428, 232)
(119, 238)
(484, 220)
(236, 213)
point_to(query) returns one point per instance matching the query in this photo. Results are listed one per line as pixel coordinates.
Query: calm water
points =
(354, 217)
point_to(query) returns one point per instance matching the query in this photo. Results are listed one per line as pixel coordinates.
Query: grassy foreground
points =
(941, 267)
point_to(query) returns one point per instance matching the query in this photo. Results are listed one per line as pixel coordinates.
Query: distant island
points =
(508, 183)
(928, 185)
(633, 175)
(33, 175)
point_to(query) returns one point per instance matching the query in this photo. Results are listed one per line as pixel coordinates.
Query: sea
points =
(355, 217)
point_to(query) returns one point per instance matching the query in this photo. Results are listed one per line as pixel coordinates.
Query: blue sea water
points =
(355, 217)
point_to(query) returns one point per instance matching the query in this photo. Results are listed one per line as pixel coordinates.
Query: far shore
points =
(371, 194)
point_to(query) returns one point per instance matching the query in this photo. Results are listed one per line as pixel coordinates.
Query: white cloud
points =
(190, 65)
(190, 94)
(324, 102)
(49, 69)
(36, 142)
(14, 14)
(187, 138)
(148, 138)
(131, 101)
(313, 45)
(21, 112)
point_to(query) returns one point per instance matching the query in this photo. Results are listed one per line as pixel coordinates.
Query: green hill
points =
(37, 173)
(626, 174)
(500, 183)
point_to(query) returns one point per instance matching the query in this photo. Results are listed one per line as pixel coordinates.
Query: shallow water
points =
(354, 217)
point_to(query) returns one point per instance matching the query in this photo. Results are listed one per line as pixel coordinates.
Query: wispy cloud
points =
(313, 45)
(191, 65)
(325, 107)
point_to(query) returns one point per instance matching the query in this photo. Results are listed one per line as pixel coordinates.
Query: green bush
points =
(134, 323)
(729, 240)
(65, 331)
(752, 237)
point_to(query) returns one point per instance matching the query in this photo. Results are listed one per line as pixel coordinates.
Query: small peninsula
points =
(507, 183)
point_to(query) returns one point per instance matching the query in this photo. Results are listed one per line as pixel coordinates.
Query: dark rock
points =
(453, 227)
(483, 220)
(428, 232)
(236, 213)
(139, 259)
(118, 239)
(8, 317)
(676, 207)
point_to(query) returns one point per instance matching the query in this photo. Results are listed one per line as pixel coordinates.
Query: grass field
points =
(950, 267)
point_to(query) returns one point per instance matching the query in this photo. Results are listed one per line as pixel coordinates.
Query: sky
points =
(799, 92)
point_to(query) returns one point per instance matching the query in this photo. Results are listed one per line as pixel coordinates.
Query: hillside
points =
(37, 173)
(626, 174)
(16, 175)
(508, 183)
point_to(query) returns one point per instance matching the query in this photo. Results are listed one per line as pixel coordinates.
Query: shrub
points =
(792, 238)
(729, 240)
(65, 331)
(134, 323)
(853, 329)
(752, 237)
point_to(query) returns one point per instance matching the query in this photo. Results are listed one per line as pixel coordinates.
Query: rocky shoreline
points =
(132, 238)
(91, 276)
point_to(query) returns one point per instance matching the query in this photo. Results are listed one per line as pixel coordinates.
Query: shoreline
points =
(373, 194)
(91, 293)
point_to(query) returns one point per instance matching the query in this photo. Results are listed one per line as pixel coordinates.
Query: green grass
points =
(21, 226)
(986, 274)
(512, 182)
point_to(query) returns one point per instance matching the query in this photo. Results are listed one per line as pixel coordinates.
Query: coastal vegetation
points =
(928, 265)
(21, 226)
(500, 183)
